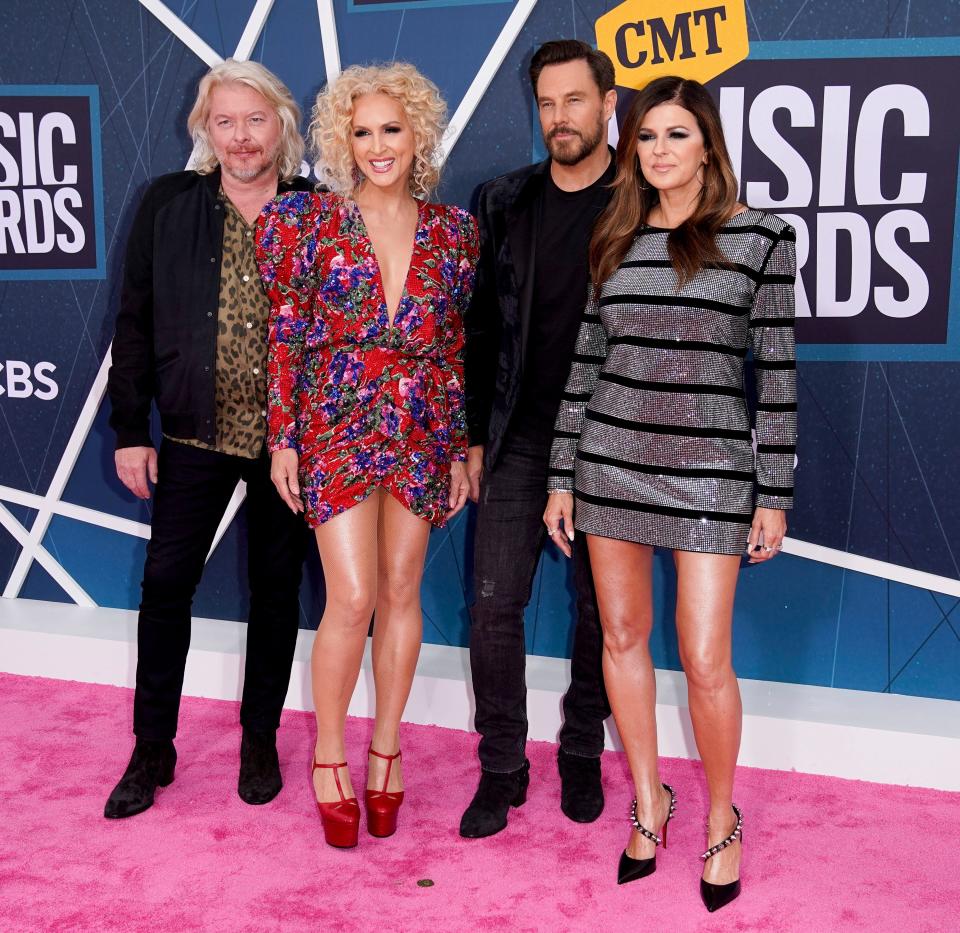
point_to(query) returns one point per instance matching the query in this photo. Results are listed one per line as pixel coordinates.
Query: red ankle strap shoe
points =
(382, 806)
(341, 818)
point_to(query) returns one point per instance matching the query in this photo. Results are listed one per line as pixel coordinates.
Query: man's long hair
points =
(277, 94)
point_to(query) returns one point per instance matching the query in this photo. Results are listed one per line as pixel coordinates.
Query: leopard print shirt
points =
(242, 313)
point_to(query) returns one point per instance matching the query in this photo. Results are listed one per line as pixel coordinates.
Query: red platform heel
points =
(341, 819)
(382, 806)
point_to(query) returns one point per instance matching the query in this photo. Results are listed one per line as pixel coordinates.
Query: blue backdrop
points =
(878, 393)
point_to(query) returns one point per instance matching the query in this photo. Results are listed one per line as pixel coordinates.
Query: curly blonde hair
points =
(330, 128)
(268, 85)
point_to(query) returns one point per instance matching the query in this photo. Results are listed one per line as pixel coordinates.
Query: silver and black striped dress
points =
(653, 432)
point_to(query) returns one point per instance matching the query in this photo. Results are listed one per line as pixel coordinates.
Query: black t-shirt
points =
(561, 276)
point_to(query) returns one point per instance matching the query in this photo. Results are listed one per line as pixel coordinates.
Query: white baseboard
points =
(846, 733)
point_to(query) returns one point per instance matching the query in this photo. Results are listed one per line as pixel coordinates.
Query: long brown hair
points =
(693, 244)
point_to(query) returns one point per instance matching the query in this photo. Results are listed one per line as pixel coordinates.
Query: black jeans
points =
(509, 538)
(193, 489)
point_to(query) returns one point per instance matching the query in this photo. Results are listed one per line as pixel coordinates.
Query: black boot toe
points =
(581, 791)
(260, 779)
(151, 766)
(496, 794)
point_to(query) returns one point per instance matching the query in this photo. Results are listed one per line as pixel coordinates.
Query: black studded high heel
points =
(715, 896)
(632, 869)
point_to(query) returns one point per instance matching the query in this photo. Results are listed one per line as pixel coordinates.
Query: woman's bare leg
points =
(705, 590)
(348, 553)
(622, 575)
(397, 629)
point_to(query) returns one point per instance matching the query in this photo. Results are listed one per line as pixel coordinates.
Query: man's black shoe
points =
(497, 793)
(581, 793)
(260, 779)
(151, 766)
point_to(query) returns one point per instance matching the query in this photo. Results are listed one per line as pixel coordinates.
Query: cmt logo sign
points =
(21, 380)
(648, 40)
(51, 192)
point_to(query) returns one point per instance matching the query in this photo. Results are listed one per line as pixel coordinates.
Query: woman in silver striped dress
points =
(653, 439)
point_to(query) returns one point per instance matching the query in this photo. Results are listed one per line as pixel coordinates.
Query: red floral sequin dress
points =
(365, 404)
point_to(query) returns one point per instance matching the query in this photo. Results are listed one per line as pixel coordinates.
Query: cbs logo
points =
(20, 380)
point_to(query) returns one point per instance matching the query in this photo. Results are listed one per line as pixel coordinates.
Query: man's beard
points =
(251, 172)
(571, 152)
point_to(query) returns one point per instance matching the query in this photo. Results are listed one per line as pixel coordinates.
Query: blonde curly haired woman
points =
(366, 423)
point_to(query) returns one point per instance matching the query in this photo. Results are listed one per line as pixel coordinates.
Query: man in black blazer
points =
(531, 288)
(191, 339)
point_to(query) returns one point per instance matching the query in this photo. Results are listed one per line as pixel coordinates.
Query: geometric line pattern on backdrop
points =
(30, 543)
(51, 504)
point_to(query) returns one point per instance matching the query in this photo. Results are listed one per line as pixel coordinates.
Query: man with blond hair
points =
(191, 339)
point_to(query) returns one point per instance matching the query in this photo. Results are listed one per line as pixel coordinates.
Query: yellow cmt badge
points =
(648, 39)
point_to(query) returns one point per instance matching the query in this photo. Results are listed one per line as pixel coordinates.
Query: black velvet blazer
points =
(498, 319)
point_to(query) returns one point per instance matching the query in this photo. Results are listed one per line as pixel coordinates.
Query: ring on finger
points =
(552, 531)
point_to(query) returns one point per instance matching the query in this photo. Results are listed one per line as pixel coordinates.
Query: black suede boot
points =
(260, 779)
(581, 793)
(497, 793)
(151, 766)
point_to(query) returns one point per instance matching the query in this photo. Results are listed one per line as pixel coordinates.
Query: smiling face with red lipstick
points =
(244, 131)
(383, 141)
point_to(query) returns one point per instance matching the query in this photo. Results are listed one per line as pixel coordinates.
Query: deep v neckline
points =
(404, 292)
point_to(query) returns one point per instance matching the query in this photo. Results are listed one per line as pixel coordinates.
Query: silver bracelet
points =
(563, 492)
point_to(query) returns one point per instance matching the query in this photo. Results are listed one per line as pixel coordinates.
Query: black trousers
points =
(510, 535)
(193, 489)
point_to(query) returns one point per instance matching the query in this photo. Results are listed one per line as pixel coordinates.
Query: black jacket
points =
(164, 347)
(498, 320)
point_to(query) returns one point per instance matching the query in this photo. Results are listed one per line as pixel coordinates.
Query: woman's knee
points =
(399, 587)
(352, 606)
(707, 667)
(623, 634)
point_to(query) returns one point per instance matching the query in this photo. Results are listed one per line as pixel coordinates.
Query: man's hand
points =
(136, 465)
(459, 487)
(474, 470)
(284, 465)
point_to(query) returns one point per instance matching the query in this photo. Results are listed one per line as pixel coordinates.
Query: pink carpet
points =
(821, 854)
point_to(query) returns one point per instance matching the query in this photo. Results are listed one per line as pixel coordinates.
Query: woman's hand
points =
(459, 488)
(283, 473)
(766, 534)
(558, 518)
